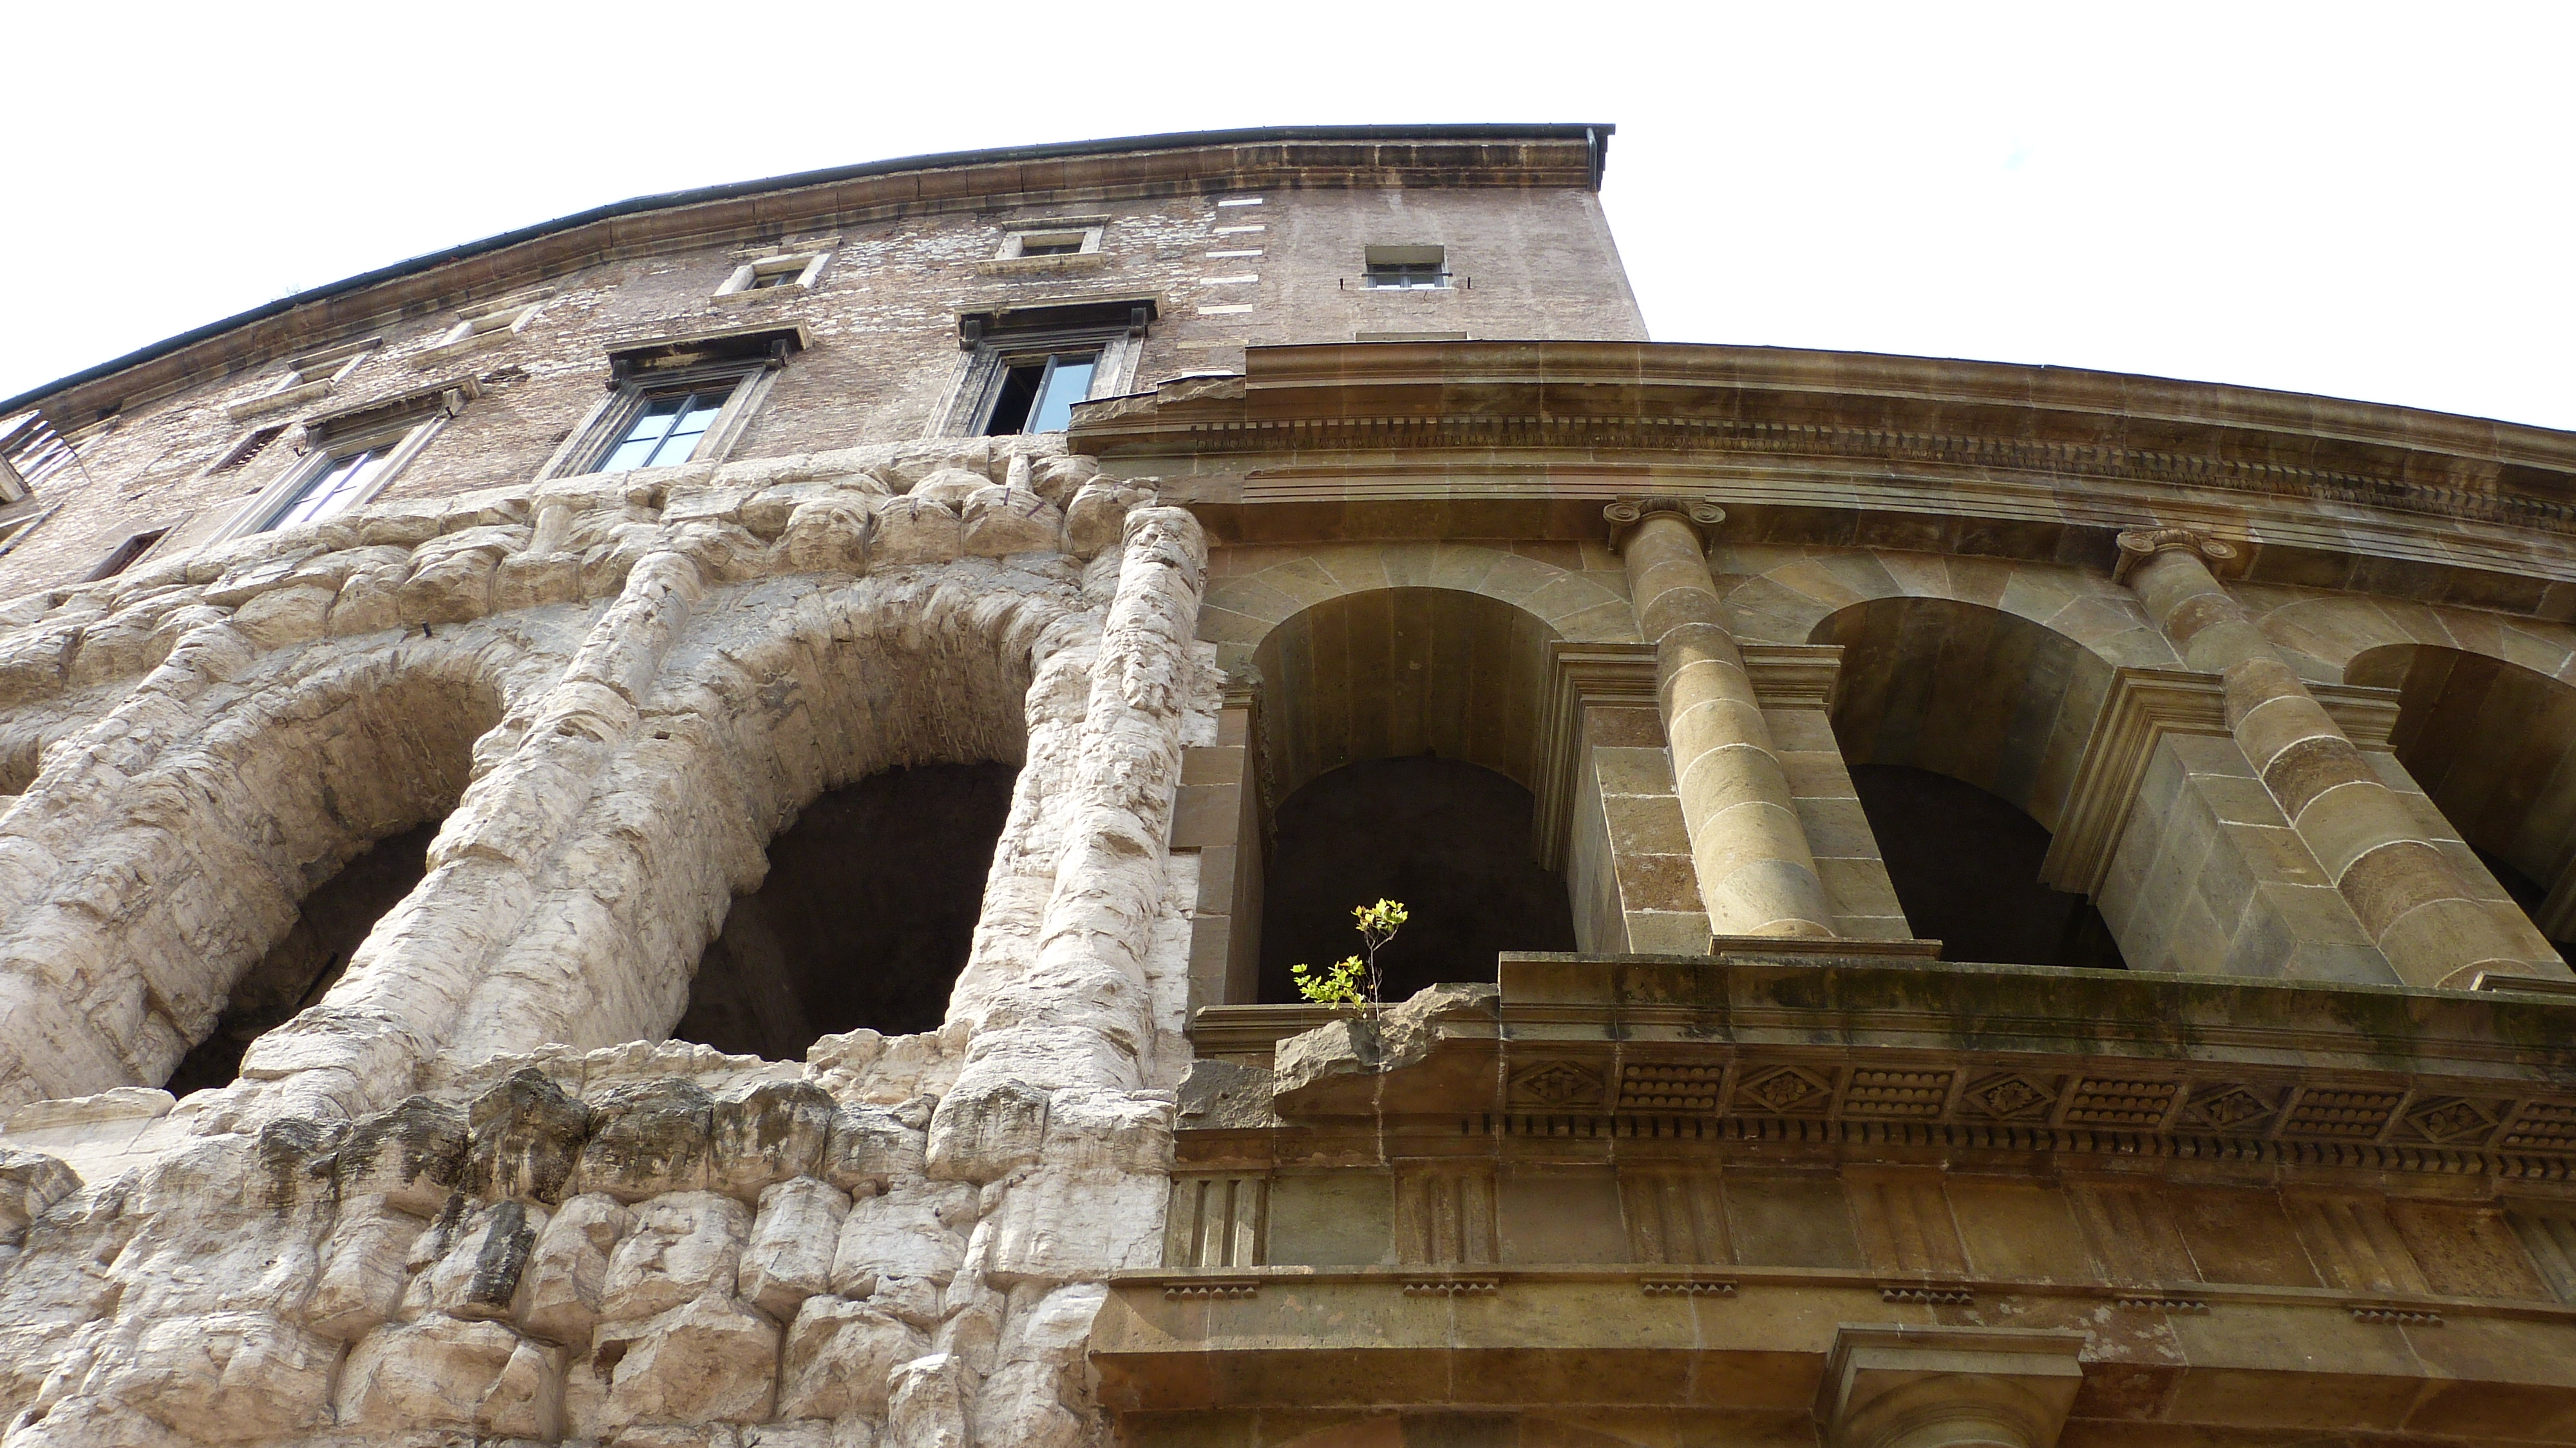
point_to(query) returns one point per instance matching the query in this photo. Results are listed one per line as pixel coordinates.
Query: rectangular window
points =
(328, 488)
(1406, 268)
(774, 277)
(354, 456)
(677, 400)
(1038, 393)
(668, 429)
(1026, 366)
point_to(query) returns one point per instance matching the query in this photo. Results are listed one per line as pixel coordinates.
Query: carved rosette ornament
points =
(1702, 515)
(2137, 545)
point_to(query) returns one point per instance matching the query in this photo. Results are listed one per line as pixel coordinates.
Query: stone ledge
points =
(1608, 1342)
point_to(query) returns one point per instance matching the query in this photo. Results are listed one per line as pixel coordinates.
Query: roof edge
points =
(1597, 135)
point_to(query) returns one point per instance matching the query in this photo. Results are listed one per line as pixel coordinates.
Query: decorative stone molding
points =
(1927, 1387)
(1624, 515)
(1794, 676)
(2146, 705)
(1581, 676)
(2137, 545)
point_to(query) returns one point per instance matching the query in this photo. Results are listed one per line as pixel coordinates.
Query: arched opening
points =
(1448, 838)
(1961, 725)
(295, 972)
(354, 776)
(866, 916)
(1401, 728)
(1965, 865)
(2493, 745)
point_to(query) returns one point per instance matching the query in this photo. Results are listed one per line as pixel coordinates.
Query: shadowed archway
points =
(1962, 726)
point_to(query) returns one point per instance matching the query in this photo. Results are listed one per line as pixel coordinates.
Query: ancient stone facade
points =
(413, 810)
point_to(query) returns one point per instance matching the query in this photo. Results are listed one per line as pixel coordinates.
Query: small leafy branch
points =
(1355, 981)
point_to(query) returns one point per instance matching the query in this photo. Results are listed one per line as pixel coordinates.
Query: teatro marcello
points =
(689, 827)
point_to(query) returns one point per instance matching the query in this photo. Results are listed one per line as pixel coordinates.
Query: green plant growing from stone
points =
(1354, 982)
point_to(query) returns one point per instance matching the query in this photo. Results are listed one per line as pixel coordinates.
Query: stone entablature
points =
(1679, 1172)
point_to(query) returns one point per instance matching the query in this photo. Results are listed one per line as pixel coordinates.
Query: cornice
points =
(1872, 412)
(1130, 168)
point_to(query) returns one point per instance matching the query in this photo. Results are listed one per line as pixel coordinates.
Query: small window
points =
(668, 429)
(124, 554)
(306, 378)
(1057, 237)
(774, 276)
(1406, 268)
(1038, 393)
(481, 327)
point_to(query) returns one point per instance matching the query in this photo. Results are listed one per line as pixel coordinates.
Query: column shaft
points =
(1756, 874)
(2418, 909)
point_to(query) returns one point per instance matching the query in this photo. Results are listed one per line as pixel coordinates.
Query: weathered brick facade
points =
(1953, 903)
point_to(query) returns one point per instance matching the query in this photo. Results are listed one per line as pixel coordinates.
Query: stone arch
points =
(1938, 694)
(2492, 744)
(225, 818)
(2324, 634)
(1579, 591)
(1784, 595)
(882, 673)
(1414, 717)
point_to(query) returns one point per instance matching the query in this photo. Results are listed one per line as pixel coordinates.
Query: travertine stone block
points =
(561, 1288)
(841, 1358)
(440, 1372)
(649, 1139)
(527, 1139)
(916, 1229)
(869, 1147)
(708, 1360)
(773, 1133)
(789, 1256)
(683, 1245)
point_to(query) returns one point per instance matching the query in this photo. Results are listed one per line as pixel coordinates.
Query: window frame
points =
(308, 377)
(802, 269)
(398, 441)
(486, 324)
(1111, 331)
(747, 360)
(1405, 263)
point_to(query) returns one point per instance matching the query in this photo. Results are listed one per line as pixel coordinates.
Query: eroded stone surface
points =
(457, 1196)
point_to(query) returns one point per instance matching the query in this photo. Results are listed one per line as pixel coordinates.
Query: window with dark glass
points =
(1406, 268)
(1407, 276)
(1037, 395)
(762, 280)
(667, 430)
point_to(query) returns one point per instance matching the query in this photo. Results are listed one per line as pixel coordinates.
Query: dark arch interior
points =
(299, 968)
(866, 917)
(1449, 839)
(1965, 865)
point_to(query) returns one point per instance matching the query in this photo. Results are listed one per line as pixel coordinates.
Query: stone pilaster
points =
(1948, 1387)
(2418, 910)
(1081, 1015)
(1757, 875)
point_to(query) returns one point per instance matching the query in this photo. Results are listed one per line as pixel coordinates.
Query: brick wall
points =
(1534, 263)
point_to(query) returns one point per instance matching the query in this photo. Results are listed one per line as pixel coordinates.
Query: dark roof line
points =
(1598, 135)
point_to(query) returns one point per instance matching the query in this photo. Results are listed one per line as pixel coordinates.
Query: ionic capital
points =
(1625, 514)
(2137, 545)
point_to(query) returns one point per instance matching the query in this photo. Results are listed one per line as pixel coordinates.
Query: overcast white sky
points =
(2359, 200)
